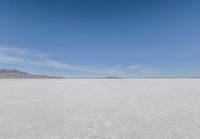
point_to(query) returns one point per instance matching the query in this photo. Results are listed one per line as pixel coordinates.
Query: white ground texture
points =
(100, 109)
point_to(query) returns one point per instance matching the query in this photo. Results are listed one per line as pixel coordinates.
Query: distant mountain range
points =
(112, 77)
(17, 74)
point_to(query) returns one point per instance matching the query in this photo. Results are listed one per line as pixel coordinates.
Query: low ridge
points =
(17, 74)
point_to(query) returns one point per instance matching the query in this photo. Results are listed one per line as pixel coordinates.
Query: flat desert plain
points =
(100, 109)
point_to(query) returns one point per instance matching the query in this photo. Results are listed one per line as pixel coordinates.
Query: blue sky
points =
(87, 38)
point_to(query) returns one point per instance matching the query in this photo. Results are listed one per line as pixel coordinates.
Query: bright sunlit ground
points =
(100, 109)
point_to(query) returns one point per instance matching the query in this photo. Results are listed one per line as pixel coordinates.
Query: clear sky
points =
(86, 38)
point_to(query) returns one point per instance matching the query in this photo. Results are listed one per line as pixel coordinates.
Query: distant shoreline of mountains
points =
(17, 74)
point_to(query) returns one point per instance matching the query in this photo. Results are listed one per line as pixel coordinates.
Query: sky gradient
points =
(94, 38)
